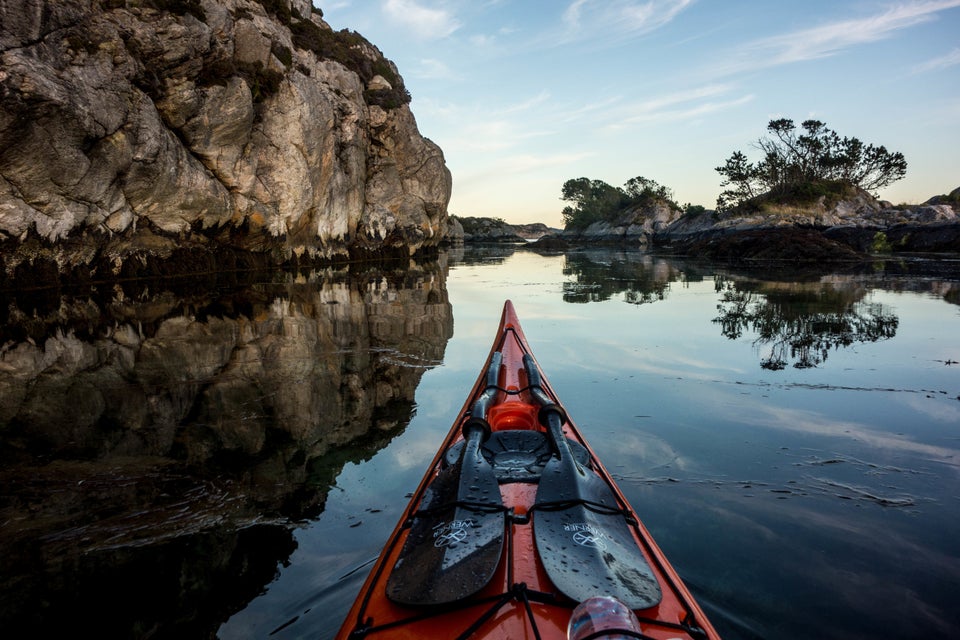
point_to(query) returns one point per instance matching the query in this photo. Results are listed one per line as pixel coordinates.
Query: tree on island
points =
(597, 201)
(801, 166)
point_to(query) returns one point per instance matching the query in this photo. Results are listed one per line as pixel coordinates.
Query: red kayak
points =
(518, 531)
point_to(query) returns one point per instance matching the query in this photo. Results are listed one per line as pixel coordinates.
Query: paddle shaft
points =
(482, 404)
(552, 416)
(580, 522)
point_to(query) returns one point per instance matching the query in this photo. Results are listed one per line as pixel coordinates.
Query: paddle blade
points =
(452, 551)
(585, 552)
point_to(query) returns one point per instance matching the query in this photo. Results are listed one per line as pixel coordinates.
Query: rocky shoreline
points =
(494, 230)
(845, 231)
(161, 139)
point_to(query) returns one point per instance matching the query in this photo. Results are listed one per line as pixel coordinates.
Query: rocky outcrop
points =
(455, 233)
(771, 243)
(494, 230)
(534, 230)
(488, 230)
(132, 129)
(840, 231)
(953, 199)
(635, 226)
(843, 230)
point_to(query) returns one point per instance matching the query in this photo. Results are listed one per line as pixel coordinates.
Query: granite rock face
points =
(210, 122)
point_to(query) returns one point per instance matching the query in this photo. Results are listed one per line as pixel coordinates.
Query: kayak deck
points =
(512, 490)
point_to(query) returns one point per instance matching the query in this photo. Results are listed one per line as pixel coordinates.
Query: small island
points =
(808, 199)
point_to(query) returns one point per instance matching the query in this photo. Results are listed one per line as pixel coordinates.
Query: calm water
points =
(791, 440)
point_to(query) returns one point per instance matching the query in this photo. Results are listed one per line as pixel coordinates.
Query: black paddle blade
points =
(456, 540)
(588, 550)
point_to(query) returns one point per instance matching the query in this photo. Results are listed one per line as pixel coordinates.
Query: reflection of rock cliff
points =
(307, 365)
(142, 127)
(141, 424)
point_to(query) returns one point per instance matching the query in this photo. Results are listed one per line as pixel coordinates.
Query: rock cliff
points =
(142, 128)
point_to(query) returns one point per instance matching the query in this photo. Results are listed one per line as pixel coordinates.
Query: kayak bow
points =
(515, 523)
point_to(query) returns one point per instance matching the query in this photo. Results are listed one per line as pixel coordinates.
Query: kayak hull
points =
(515, 597)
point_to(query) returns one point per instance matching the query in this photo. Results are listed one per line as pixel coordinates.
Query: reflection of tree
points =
(597, 276)
(799, 323)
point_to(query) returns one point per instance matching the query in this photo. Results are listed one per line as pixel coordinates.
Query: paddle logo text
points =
(586, 535)
(449, 533)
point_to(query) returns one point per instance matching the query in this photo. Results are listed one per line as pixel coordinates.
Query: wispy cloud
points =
(492, 134)
(433, 69)
(483, 137)
(830, 39)
(482, 40)
(681, 105)
(425, 22)
(507, 169)
(591, 109)
(584, 19)
(690, 112)
(525, 163)
(476, 132)
(527, 104)
(949, 60)
(496, 129)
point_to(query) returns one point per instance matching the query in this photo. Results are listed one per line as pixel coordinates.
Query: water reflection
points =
(480, 254)
(160, 440)
(598, 275)
(800, 322)
(798, 317)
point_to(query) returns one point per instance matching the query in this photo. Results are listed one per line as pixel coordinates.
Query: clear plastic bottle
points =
(602, 613)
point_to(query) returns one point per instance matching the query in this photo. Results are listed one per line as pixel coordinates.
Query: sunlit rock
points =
(216, 124)
(378, 83)
(635, 226)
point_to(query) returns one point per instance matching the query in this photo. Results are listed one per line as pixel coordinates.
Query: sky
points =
(523, 95)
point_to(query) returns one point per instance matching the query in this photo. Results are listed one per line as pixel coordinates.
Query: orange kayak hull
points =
(520, 601)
